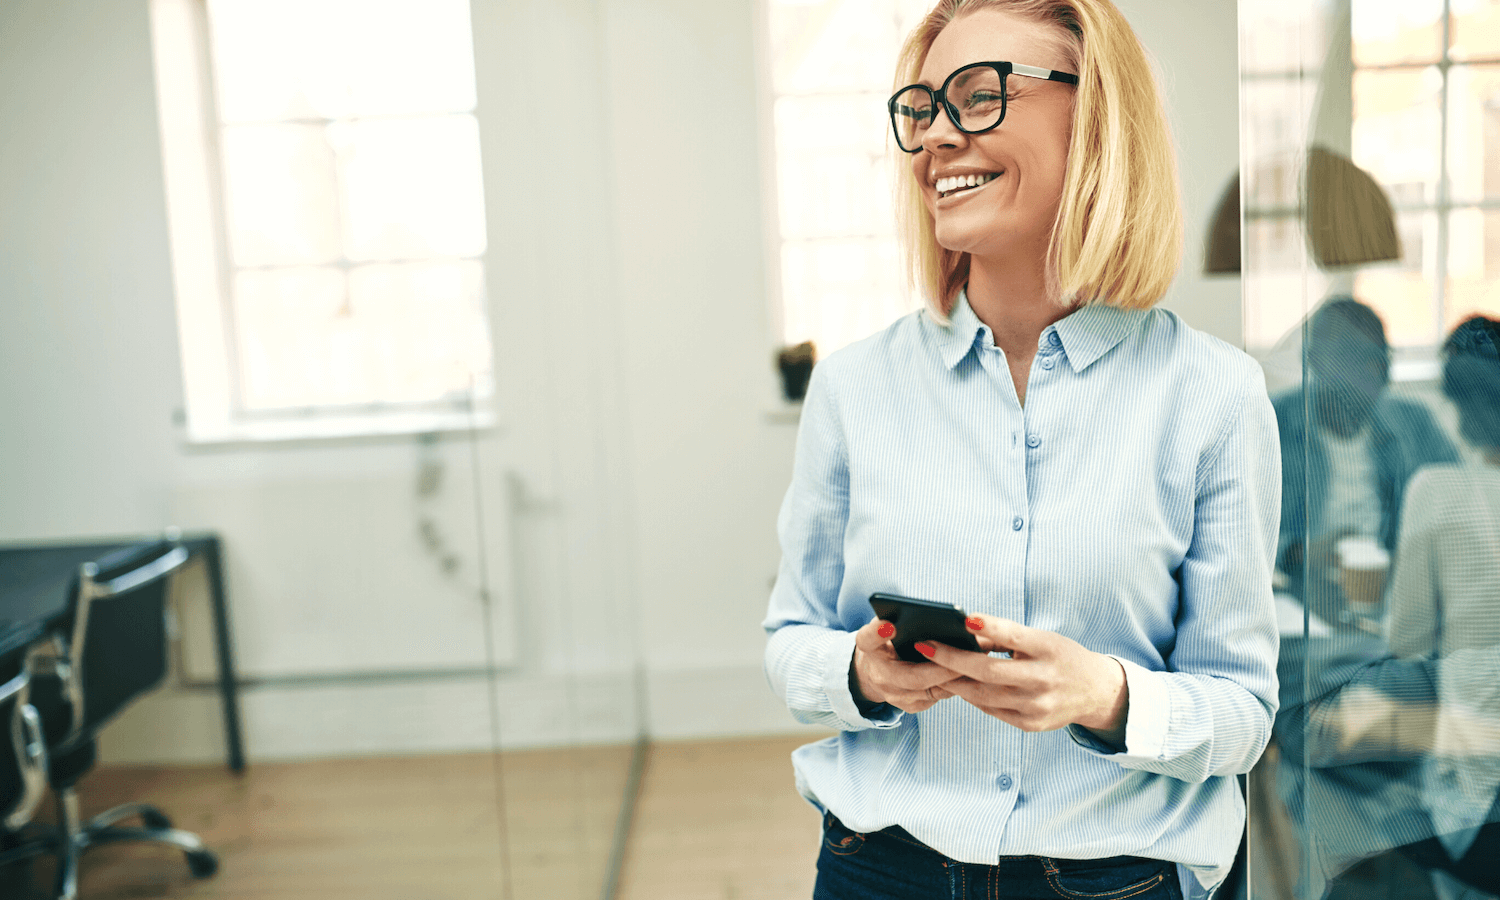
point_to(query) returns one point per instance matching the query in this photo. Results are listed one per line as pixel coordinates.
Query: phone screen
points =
(923, 620)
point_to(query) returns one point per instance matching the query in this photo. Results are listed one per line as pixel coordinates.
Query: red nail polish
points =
(925, 649)
(886, 630)
(975, 623)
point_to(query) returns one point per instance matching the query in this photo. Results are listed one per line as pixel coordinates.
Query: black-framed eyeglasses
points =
(973, 96)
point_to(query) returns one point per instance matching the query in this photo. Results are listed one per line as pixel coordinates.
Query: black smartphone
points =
(923, 620)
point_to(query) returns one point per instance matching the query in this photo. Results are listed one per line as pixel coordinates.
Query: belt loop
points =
(1049, 865)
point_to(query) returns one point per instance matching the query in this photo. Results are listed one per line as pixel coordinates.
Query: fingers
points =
(978, 666)
(1004, 634)
(912, 687)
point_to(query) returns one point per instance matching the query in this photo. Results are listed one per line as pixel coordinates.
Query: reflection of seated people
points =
(1401, 753)
(1344, 471)
(1445, 597)
(1368, 724)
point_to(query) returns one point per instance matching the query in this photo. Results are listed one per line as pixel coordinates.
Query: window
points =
(1426, 91)
(1421, 114)
(326, 211)
(831, 69)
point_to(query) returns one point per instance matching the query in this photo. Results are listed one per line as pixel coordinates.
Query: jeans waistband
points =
(1051, 863)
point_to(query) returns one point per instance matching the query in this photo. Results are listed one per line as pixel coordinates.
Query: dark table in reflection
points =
(36, 580)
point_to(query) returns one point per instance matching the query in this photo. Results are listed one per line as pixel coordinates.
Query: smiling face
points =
(996, 194)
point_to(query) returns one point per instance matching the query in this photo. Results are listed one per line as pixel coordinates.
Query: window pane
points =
(1402, 292)
(1475, 31)
(290, 59)
(832, 167)
(1391, 31)
(842, 121)
(413, 187)
(1474, 132)
(1397, 126)
(840, 290)
(839, 45)
(282, 200)
(399, 333)
(296, 340)
(1277, 38)
(1274, 113)
(1474, 265)
(425, 334)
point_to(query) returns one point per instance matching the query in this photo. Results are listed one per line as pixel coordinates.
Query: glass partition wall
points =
(436, 667)
(1370, 164)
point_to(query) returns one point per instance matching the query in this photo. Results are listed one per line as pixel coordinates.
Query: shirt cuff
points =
(840, 654)
(1147, 720)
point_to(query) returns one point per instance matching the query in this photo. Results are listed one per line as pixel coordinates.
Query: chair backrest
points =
(117, 649)
(23, 753)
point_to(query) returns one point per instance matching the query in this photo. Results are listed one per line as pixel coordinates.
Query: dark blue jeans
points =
(893, 865)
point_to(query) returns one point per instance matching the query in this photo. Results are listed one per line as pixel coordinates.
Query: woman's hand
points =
(883, 677)
(1049, 681)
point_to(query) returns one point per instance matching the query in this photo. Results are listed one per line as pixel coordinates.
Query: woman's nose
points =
(942, 133)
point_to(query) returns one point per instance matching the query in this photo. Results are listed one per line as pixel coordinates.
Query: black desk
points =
(34, 585)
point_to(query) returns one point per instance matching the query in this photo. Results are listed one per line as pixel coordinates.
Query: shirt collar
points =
(964, 329)
(1086, 334)
(1092, 331)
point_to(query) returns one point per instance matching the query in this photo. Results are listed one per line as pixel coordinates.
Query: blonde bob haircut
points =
(1118, 235)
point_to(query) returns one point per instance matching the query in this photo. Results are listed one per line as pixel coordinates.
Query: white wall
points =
(1196, 46)
(631, 490)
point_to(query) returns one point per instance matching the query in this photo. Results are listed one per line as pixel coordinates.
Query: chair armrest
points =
(50, 658)
(24, 731)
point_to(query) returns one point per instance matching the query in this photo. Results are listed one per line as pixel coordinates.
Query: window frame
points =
(214, 410)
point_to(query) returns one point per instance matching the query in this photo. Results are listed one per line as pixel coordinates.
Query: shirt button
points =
(1005, 782)
(1033, 441)
(1048, 363)
(1016, 523)
(1054, 340)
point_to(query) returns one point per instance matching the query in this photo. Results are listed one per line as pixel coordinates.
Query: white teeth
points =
(955, 182)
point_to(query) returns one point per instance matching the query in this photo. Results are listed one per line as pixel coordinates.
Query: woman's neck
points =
(1013, 299)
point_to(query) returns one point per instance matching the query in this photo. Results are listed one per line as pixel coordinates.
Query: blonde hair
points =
(1118, 235)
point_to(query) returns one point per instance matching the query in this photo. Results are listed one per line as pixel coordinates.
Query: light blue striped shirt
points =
(1131, 505)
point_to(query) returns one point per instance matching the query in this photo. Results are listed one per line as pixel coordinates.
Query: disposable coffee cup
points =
(1363, 565)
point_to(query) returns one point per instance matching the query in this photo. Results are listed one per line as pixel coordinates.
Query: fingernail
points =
(975, 623)
(886, 630)
(925, 649)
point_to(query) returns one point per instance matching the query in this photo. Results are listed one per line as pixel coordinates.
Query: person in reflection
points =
(1399, 738)
(1348, 450)
(1445, 598)
(1095, 482)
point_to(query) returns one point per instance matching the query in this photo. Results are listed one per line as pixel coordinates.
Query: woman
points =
(1444, 599)
(1093, 481)
(1445, 590)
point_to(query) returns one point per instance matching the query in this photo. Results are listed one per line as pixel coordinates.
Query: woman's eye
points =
(984, 98)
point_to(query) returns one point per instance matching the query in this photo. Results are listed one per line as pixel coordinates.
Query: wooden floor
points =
(714, 821)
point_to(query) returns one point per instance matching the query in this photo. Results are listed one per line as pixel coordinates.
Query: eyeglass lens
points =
(978, 94)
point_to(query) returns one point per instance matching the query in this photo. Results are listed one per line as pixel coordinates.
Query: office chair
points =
(23, 754)
(112, 649)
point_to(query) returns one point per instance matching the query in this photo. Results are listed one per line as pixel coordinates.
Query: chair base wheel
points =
(153, 819)
(203, 864)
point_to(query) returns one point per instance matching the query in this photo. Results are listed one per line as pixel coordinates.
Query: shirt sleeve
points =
(1209, 712)
(809, 650)
(1412, 625)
